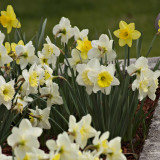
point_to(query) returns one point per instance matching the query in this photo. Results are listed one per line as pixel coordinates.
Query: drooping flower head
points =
(126, 33)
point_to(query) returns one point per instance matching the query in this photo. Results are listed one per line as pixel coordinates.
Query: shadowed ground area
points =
(96, 15)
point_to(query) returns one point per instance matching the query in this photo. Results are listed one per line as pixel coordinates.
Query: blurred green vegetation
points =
(96, 15)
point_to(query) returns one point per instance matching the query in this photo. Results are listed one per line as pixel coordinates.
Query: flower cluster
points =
(146, 80)
(71, 145)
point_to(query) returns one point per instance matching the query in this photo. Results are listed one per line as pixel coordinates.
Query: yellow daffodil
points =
(126, 33)
(8, 19)
(84, 46)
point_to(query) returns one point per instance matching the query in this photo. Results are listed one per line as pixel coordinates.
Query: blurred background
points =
(96, 15)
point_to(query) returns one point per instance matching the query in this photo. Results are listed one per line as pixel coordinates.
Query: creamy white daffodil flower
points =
(40, 118)
(102, 48)
(83, 71)
(101, 142)
(32, 78)
(114, 151)
(52, 90)
(50, 52)
(4, 57)
(20, 102)
(63, 30)
(103, 78)
(80, 35)
(81, 131)
(146, 84)
(24, 138)
(26, 54)
(141, 65)
(7, 92)
(63, 146)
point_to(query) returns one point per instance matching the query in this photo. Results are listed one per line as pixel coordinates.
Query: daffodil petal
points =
(123, 25)
(116, 33)
(136, 34)
(122, 42)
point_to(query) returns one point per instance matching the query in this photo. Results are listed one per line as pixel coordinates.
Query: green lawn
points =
(96, 15)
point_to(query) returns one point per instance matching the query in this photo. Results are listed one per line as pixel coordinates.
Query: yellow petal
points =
(8, 47)
(131, 26)
(16, 24)
(13, 46)
(116, 33)
(129, 42)
(122, 42)
(9, 28)
(10, 12)
(136, 34)
(21, 43)
(122, 24)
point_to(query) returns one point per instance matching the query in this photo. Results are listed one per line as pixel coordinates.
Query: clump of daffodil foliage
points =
(43, 84)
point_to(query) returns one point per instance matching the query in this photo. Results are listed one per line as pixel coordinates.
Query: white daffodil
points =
(88, 155)
(63, 30)
(4, 57)
(81, 131)
(42, 59)
(54, 156)
(114, 151)
(80, 35)
(102, 48)
(4, 157)
(83, 70)
(101, 142)
(24, 138)
(52, 90)
(32, 78)
(39, 118)
(2, 37)
(21, 102)
(50, 52)
(146, 84)
(141, 65)
(103, 78)
(26, 54)
(64, 147)
(73, 61)
(6, 92)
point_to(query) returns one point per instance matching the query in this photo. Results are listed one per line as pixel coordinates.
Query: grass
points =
(96, 15)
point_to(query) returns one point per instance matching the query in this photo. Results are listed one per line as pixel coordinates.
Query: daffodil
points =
(140, 66)
(80, 35)
(24, 138)
(7, 92)
(26, 54)
(83, 71)
(50, 52)
(103, 78)
(84, 46)
(114, 150)
(81, 131)
(32, 78)
(102, 49)
(63, 30)
(146, 84)
(2, 37)
(39, 118)
(4, 157)
(126, 33)
(8, 19)
(52, 90)
(66, 149)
